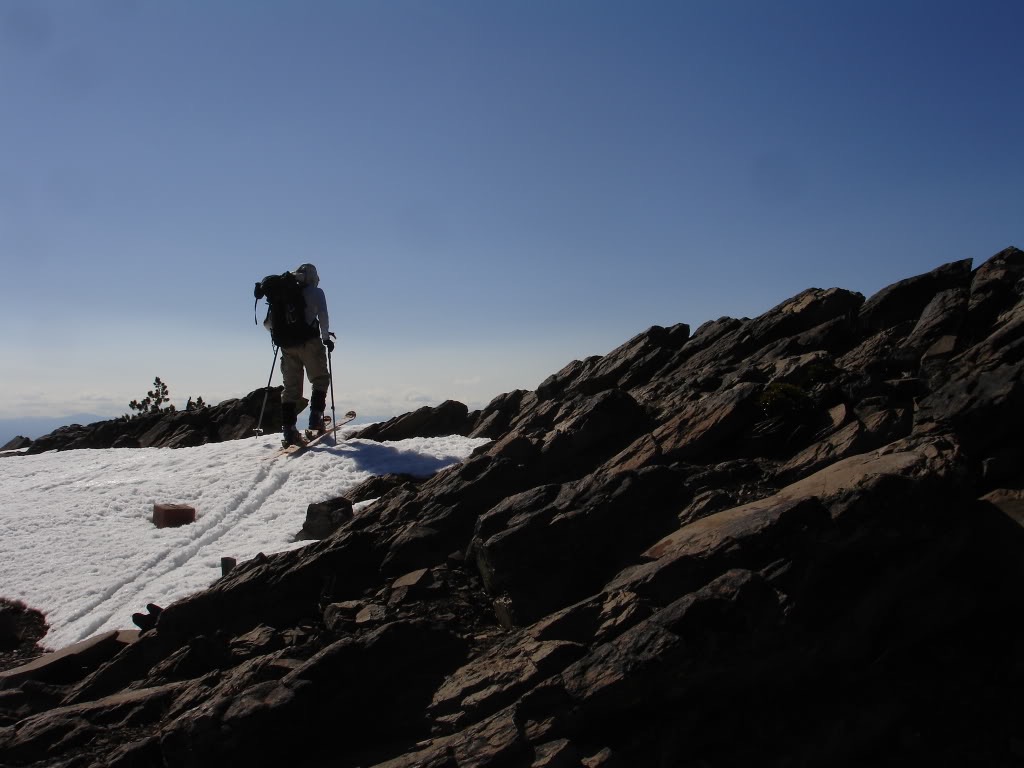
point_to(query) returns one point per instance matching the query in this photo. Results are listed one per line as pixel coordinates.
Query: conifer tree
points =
(154, 399)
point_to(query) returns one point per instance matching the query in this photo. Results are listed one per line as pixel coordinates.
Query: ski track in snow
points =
(213, 526)
(77, 540)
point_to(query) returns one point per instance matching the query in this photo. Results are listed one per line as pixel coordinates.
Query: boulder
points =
(906, 300)
(544, 551)
(16, 444)
(324, 518)
(996, 286)
(449, 418)
(705, 427)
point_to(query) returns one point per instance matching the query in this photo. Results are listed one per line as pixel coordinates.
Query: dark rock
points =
(229, 420)
(906, 300)
(416, 546)
(449, 418)
(68, 664)
(557, 384)
(324, 518)
(380, 485)
(626, 367)
(944, 316)
(126, 441)
(497, 678)
(197, 657)
(984, 402)
(706, 503)
(137, 754)
(258, 642)
(706, 426)
(279, 590)
(802, 313)
(560, 753)
(16, 444)
(995, 288)
(592, 431)
(340, 616)
(548, 555)
(495, 420)
(21, 629)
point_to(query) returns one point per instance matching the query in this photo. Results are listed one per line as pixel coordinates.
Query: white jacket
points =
(316, 309)
(316, 302)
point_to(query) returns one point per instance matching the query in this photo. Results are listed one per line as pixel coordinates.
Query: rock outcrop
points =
(789, 540)
(16, 444)
(229, 420)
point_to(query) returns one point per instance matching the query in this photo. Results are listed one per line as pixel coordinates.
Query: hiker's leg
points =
(315, 359)
(291, 373)
(314, 356)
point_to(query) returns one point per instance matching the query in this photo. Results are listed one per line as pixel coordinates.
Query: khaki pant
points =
(310, 358)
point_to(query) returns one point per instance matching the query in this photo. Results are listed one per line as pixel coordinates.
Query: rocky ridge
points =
(230, 420)
(791, 540)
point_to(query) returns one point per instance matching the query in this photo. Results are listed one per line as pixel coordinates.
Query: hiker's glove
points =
(329, 343)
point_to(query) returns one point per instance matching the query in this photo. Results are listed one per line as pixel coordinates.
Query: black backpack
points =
(287, 310)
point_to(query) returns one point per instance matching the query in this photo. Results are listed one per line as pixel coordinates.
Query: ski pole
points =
(266, 393)
(330, 372)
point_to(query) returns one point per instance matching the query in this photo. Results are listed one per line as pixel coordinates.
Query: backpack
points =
(287, 310)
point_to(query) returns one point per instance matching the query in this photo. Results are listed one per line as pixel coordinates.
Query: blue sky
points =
(489, 189)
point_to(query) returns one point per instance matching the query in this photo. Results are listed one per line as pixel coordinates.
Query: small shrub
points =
(154, 400)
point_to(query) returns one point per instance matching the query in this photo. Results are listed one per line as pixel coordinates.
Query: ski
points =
(295, 450)
(312, 434)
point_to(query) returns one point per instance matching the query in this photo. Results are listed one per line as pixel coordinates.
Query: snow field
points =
(77, 539)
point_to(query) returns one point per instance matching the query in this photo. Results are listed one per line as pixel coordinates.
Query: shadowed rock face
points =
(789, 540)
(16, 444)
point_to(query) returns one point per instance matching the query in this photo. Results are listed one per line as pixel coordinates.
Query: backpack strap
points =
(258, 293)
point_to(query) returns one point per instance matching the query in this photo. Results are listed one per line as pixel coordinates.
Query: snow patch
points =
(76, 534)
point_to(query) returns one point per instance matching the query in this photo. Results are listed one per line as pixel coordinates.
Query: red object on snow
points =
(173, 515)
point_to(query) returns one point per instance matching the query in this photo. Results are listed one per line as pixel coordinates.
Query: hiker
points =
(302, 352)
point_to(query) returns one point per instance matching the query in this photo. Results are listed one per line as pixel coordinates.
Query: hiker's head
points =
(307, 273)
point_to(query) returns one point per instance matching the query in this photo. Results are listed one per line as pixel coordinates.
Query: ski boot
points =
(317, 406)
(289, 433)
(290, 436)
(319, 424)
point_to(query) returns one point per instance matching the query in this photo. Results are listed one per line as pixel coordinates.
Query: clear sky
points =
(489, 189)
